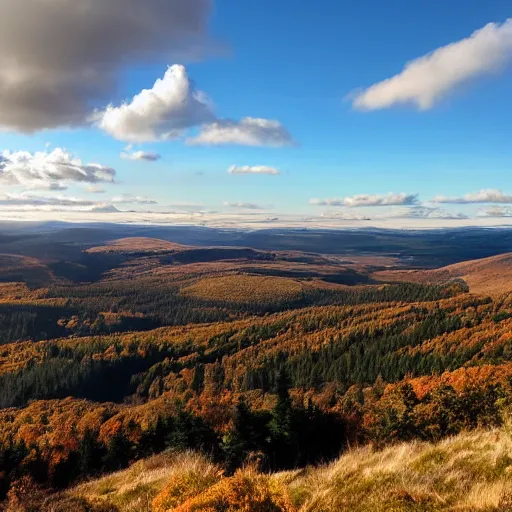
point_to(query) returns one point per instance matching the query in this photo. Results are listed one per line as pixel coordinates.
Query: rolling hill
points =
(487, 276)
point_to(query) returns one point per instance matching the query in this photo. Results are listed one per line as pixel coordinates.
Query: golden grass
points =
(468, 473)
(471, 472)
(134, 489)
(245, 288)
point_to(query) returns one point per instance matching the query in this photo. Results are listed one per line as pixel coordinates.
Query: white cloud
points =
(424, 81)
(50, 170)
(255, 169)
(483, 196)
(34, 200)
(172, 107)
(131, 199)
(244, 206)
(249, 131)
(93, 188)
(344, 216)
(141, 156)
(58, 57)
(496, 211)
(368, 200)
(164, 112)
(426, 212)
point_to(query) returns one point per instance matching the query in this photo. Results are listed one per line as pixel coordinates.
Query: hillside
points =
(137, 245)
(489, 276)
(471, 472)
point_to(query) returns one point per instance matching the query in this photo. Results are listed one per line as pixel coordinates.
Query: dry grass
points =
(134, 489)
(471, 472)
(245, 288)
(468, 473)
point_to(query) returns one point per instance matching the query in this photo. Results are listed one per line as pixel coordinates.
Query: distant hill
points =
(490, 276)
(137, 245)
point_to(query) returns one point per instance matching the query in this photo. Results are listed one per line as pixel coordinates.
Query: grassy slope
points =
(470, 472)
(488, 276)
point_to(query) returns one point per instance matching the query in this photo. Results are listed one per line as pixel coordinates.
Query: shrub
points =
(192, 477)
(246, 491)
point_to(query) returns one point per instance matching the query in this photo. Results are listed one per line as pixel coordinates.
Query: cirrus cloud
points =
(425, 80)
(361, 200)
(254, 169)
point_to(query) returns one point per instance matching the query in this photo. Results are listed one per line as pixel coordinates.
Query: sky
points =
(257, 114)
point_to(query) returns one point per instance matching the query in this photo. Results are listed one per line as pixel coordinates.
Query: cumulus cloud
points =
(368, 200)
(426, 212)
(496, 211)
(163, 112)
(50, 170)
(146, 156)
(172, 107)
(254, 169)
(483, 196)
(59, 57)
(131, 199)
(249, 131)
(244, 206)
(424, 81)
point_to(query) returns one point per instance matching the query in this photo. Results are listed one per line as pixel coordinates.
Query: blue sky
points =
(347, 144)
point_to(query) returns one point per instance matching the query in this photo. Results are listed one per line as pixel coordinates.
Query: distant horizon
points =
(253, 223)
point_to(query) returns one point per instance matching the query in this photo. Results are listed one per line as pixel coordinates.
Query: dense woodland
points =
(162, 352)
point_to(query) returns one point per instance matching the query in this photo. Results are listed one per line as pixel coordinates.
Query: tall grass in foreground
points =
(471, 472)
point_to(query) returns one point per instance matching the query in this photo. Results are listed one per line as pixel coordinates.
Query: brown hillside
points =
(490, 276)
(138, 245)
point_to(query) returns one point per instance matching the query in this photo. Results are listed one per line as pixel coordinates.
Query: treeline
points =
(287, 436)
(149, 305)
(399, 413)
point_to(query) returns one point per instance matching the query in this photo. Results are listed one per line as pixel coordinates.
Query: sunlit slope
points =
(466, 473)
(490, 276)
